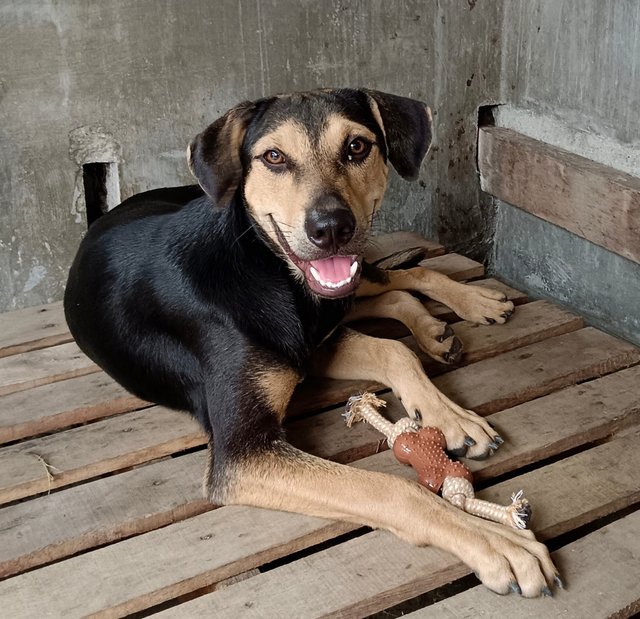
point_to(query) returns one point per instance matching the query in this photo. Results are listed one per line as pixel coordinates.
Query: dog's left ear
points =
(214, 154)
(407, 124)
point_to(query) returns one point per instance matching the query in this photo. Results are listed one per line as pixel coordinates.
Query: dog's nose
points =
(330, 228)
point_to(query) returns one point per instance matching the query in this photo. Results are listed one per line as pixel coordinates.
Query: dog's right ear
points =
(214, 154)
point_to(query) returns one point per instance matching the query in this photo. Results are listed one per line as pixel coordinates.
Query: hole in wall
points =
(101, 188)
(486, 115)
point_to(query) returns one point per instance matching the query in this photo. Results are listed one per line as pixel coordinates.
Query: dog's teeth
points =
(316, 275)
(354, 268)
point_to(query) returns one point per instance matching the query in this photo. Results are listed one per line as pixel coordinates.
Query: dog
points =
(218, 298)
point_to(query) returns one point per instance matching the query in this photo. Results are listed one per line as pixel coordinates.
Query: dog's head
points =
(312, 168)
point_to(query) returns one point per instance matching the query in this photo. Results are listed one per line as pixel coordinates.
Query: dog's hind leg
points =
(433, 336)
(474, 303)
(349, 354)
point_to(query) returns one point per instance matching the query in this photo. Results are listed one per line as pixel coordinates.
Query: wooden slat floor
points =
(101, 511)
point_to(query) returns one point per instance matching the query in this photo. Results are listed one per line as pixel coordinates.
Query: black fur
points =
(180, 296)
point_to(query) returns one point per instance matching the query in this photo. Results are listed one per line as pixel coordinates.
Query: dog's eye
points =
(358, 149)
(274, 157)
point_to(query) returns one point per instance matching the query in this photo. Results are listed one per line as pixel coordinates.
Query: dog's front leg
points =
(349, 354)
(433, 336)
(474, 303)
(254, 465)
(281, 477)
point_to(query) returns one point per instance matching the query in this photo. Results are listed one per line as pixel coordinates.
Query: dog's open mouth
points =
(334, 277)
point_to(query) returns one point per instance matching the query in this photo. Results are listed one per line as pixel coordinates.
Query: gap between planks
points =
(213, 546)
(171, 489)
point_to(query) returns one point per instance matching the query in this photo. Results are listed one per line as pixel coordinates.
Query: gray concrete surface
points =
(571, 77)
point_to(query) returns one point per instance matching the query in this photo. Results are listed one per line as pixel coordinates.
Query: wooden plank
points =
(33, 328)
(594, 201)
(40, 367)
(170, 490)
(92, 450)
(61, 524)
(532, 371)
(455, 266)
(382, 245)
(62, 404)
(602, 571)
(213, 546)
(383, 327)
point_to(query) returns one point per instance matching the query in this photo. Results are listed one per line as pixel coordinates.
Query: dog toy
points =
(424, 450)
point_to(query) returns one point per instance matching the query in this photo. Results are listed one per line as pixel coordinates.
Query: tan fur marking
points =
(277, 385)
(286, 196)
(408, 310)
(287, 479)
(473, 303)
(391, 363)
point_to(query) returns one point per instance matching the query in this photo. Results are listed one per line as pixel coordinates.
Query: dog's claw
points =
(498, 439)
(515, 587)
(547, 592)
(446, 334)
(558, 582)
(468, 441)
(490, 321)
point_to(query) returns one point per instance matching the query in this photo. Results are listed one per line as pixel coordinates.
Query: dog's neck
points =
(294, 320)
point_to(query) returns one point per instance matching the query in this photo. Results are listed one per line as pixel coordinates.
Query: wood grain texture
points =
(455, 266)
(613, 551)
(94, 449)
(40, 367)
(531, 371)
(353, 583)
(115, 507)
(103, 510)
(592, 200)
(62, 404)
(33, 328)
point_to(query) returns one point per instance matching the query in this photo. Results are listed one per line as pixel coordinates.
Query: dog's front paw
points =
(467, 434)
(506, 560)
(438, 340)
(483, 306)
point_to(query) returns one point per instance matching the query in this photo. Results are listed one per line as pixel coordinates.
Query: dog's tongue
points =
(334, 269)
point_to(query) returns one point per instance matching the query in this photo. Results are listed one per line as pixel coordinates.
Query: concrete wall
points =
(571, 77)
(133, 81)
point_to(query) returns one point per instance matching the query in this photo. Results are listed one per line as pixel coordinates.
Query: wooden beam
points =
(594, 201)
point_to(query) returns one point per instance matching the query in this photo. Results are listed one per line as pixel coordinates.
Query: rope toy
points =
(424, 450)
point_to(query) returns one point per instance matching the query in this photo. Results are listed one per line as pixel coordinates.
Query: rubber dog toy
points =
(424, 450)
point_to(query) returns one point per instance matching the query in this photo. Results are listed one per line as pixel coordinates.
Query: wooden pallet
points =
(102, 513)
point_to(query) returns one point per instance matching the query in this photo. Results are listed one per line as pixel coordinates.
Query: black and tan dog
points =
(218, 299)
